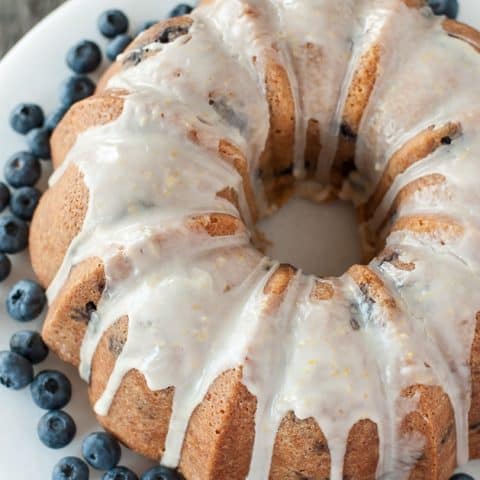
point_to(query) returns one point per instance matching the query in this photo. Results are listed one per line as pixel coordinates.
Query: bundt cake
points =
(202, 353)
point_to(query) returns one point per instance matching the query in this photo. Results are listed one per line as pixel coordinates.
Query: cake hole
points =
(321, 239)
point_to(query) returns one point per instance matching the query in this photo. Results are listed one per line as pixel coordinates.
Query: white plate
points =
(31, 72)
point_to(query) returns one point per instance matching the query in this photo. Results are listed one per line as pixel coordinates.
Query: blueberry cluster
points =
(22, 171)
(113, 24)
(102, 452)
(50, 389)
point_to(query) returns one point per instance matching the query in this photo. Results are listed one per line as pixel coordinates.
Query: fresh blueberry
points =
(56, 117)
(24, 201)
(84, 57)
(180, 9)
(56, 429)
(26, 300)
(13, 234)
(118, 46)
(101, 450)
(16, 372)
(445, 7)
(4, 196)
(112, 23)
(38, 141)
(26, 117)
(146, 25)
(461, 476)
(76, 88)
(119, 473)
(161, 473)
(29, 344)
(70, 468)
(5, 267)
(22, 169)
(51, 390)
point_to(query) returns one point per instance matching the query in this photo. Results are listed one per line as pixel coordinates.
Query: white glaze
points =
(446, 326)
(319, 67)
(432, 87)
(197, 305)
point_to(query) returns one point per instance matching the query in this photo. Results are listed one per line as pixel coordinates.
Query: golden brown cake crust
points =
(439, 226)
(220, 435)
(276, 162)
(57, 220)
(359, 93)
(462, 32)
(138, 417)
(300, 451)
(474, 414)
(313, 147)
(69, 314)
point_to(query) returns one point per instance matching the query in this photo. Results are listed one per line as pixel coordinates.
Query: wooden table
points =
(19, 16)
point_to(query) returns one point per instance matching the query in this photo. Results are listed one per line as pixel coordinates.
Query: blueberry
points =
(26, 300)
(56, 429)
(119, 473)
(13, 234)
(76, 88)
(22, 169)
(38, 141)
(70, 468)
(56, 117)
(112, 23)
(29, 344)
(16, 372)
(146, 25)
(180, 9)
(51, 390)
(4, 196)
(5, 267)
(84, 57)
(461, 476)
(445, 7)
(161, 473)
(24, 201)
(26, 117)
(101, 450)
(118, 46)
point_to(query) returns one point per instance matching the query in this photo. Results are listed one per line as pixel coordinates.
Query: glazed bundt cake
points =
(202, 353)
